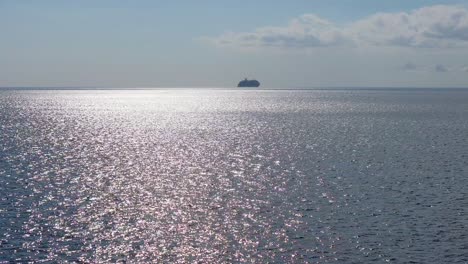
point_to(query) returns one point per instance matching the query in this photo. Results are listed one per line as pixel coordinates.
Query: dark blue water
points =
(216, 176)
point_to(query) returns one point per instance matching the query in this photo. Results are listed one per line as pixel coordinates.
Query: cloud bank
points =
(430, 68)
(438, 26)
(441, 68)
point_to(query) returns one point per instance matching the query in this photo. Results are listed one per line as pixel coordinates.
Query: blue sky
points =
(303, 43)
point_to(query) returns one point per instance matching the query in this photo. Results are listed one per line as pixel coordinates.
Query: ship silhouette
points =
(248, 83)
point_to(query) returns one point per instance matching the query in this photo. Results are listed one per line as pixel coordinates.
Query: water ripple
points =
(233, 176)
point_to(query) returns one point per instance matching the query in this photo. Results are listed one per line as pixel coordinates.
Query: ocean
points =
(234, 176)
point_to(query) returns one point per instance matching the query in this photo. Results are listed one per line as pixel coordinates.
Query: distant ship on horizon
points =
(248, 83)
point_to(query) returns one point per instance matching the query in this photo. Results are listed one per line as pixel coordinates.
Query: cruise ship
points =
(248, 83)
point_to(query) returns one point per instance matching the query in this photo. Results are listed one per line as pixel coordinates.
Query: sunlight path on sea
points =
(231, 176)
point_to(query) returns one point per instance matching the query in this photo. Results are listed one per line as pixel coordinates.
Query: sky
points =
(216, 43)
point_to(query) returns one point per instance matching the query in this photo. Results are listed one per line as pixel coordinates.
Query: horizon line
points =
(233, 87)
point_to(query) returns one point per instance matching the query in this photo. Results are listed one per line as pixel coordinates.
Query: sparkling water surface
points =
(234, 176)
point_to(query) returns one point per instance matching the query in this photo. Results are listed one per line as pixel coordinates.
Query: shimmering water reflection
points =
(215, 176)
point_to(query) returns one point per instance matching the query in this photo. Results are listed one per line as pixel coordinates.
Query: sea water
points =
(222, 176)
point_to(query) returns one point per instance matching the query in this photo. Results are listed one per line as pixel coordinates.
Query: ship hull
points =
(249, 83)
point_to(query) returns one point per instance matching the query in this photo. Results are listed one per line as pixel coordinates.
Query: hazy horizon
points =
(226, 88)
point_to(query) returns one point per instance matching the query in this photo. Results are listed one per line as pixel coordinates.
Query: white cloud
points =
(435, 26)
(302, 32)
(429, 27)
